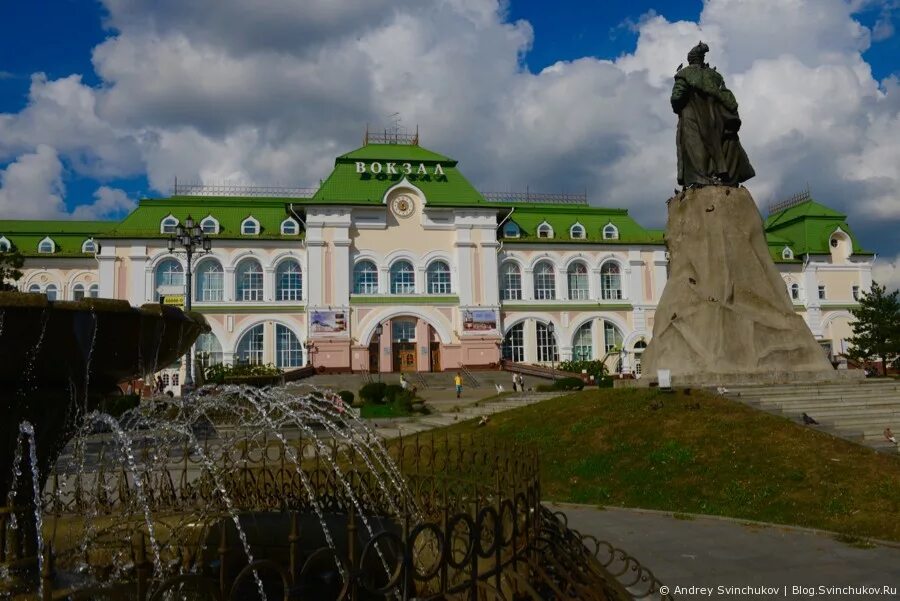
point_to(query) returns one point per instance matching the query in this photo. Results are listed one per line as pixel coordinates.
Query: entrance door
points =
(435, 356)
(405, 356)
(374, 356)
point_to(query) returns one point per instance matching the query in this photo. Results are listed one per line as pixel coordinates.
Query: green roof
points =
(806, 228)
(562, 217)
(68, 236)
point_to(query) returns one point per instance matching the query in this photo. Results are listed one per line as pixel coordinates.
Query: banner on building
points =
(479, 320)
(327, 322)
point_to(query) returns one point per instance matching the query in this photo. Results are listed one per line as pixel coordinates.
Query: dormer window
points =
(250, 227)
(290, 227)
(89, 246)
(5, 245)
(47, 246)
(168, 225)
(209, 225)
(610, 232)
(511, 230)
(576, 232)
(544, 230)
(787, 254)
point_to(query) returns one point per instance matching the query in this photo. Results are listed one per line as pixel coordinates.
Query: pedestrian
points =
(403, 382)
(521, 383)
(515, 382)
(458, 382)
(889, 436)
(159, 385)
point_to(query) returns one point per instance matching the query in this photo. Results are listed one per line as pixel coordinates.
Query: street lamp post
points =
(189, 238)
(378, 330)
(553, 349)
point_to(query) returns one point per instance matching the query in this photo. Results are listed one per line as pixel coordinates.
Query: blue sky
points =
(58, 37)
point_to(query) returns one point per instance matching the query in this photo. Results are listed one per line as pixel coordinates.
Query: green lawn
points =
(700, 453)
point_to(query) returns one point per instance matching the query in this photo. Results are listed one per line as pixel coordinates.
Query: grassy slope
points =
(610, 447)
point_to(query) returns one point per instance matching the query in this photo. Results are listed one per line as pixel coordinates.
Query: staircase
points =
(858, 411)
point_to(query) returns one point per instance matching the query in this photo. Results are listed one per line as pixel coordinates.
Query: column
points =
(423, 345)
(490, 275)
(268, 284)
(635, 270)
(228, 283)
(315, 249)
(386, 357)
(138, 273)
(342, 272)
(529, 338)
(464, 268)
(528, 283)
(107, 274)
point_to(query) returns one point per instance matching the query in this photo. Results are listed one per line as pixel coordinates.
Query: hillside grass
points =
(699, 453)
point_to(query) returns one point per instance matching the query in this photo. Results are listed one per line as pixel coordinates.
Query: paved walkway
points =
(710, 552)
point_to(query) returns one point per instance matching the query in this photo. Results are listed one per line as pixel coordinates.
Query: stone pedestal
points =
(725, 313)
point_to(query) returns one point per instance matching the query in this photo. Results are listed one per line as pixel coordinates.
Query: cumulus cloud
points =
(31, 187)
(108, 202)
(217, 90)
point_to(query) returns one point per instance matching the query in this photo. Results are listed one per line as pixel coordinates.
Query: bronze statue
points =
(709, 151)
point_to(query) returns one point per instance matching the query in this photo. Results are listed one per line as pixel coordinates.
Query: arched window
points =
(795, 291)
(209, 225)
(544, 281)
(439, 278)
(546, 344)
(612, 337)
(248, 281)
(34, 289)
(610, 281)
(290, 227)
(545, 230)
(210, 281)
(5, 244)
(365, 278)
(47, 245)
(94, 291)
(52, 292)
(78, 292)
(576, 232)
(610, 232)
(511, 230)
(511, 281)
(250, 346)
(514, 344)
(288, 350)
(208, 350)
(88, 246)
(578, 281)
(168, 225)
(289, 281)
(169, 274)
(787, 254)
(403, 330)
(250, 227)
(583, 343)
(403, 278)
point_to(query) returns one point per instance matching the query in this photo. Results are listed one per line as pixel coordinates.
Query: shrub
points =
(347, 397)
(561, 384)
(392, 392)
(594, 368)
(373, 392)
(217, 374)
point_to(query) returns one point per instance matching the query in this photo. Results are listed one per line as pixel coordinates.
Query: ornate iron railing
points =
(241, 190)
(543, 198)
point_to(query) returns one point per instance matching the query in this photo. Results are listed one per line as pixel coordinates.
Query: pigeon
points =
(484, 420)
(499, 388)
(722, 390)
(809, 421)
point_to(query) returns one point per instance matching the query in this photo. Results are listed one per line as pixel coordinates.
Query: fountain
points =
(277, 493)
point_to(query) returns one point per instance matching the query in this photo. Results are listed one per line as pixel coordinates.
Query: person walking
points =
(458, 382)
(515, 378)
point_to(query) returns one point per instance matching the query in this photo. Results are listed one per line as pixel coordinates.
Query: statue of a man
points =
(709, 151)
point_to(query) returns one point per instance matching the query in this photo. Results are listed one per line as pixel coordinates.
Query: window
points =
(403, 278)
(94, 291)
(787, 254)
(168, 225)
(169, 273)
(403, 330)
(250, 346)
(610, 281)
(795, 291)
(175, 377)
(250, 227)
(854, 292)
(511, 282)
(78, 292)
(511, 230)
(610, 232)
(46, 246)
(5, 244)
(546, 344)
(544, 281)
(834, 243)
(544, 230)
(439, 278)
(821, 292)
(612, 337)
(365, 278)
(514, 344)
(208, 350)
(578, 281)
(639, 348)
(576, 232)
(89, 246)
(34, 289)
(289, 281)
(248, 281)
(288, 350)
(52, 292)
(582, 343)
(210, 281)
(209, 225)
(289, 227)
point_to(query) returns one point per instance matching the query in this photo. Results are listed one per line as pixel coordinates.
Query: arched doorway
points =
(403, 344)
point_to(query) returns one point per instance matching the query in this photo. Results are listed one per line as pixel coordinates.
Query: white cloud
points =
(31, 187)
(887, 272)
(108, 203)
(213, 90)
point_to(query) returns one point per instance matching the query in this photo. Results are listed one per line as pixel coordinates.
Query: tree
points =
(10, 263)
(876, 331)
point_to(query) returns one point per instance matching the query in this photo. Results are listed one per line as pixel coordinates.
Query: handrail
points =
(469, 376)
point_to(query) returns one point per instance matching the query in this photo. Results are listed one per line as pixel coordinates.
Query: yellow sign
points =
(176, 300)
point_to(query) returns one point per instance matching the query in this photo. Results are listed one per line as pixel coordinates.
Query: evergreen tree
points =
(11, 262)
(876, 331)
